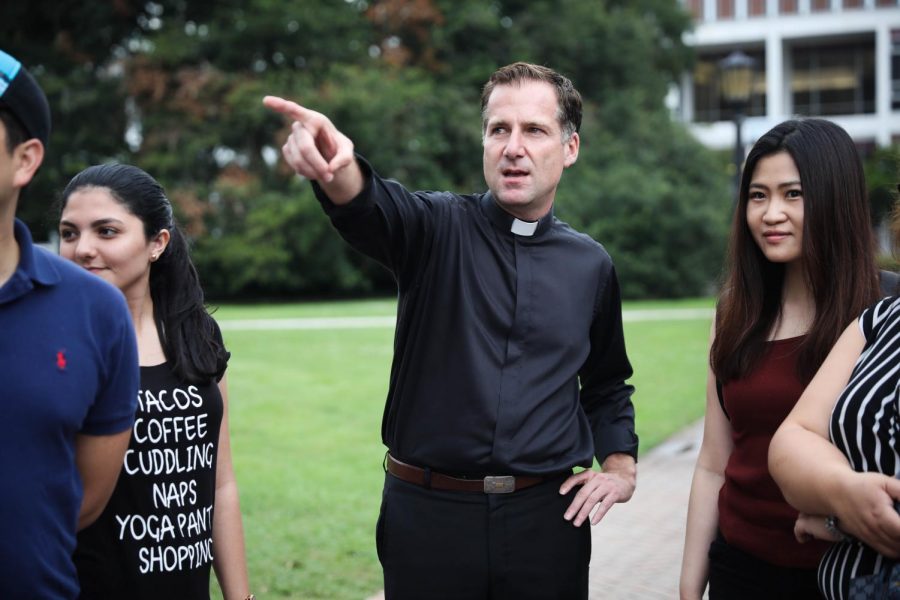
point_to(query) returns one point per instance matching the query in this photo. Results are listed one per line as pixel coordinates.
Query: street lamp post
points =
(737, 84)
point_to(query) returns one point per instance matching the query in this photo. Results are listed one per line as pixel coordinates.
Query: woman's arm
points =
(230, 560)
(813, 527)
(703, 506)
(815, 477)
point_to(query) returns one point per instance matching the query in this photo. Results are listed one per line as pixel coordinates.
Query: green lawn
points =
(306, 411)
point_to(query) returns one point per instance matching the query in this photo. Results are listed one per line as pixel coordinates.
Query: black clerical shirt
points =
(494, 331)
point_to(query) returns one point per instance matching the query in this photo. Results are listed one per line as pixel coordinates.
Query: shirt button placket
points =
(510, 390)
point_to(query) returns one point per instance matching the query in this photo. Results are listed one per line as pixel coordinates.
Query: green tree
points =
(175, 87)
(882, 178)
(73, 49)
(660, 209)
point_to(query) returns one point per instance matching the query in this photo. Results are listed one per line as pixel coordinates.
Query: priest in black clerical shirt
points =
(509, 359)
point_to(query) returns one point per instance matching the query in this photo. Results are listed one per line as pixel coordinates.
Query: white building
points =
(839, 59)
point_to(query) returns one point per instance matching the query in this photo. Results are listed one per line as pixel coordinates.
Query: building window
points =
(835, 79)
(853, 3)
(886, 3)
(708, 103)
(725, 9)
(695, 7)
(895, 69)
(756, 8)
(787, 7)
(821, 5)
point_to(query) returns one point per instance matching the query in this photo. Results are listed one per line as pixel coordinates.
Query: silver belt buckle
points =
(499, 484)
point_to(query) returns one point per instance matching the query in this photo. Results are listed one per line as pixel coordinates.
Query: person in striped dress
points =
(836, 457)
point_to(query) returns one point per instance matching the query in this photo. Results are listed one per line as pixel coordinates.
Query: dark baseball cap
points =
(21, 94)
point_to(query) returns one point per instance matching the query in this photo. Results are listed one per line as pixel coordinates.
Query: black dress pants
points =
(737, 575)
(436, 544)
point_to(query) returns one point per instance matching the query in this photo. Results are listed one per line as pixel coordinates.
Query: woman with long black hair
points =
(175, 511)
(801, 266)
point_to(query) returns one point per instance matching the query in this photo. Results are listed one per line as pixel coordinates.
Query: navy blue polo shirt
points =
(68, 366)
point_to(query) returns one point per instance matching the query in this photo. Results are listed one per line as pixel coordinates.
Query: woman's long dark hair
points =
(189, 336)
(838, 252)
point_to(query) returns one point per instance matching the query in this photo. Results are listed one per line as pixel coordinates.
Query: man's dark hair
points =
(567, 97)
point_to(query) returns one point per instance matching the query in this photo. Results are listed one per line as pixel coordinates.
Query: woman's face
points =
(775, 208)
(101, 235)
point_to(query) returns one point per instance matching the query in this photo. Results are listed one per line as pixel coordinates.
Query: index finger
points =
(573, 480)
(287, 108)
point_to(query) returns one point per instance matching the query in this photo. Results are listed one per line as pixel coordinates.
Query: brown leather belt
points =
(492, 484)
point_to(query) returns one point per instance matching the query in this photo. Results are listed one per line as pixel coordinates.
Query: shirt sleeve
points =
(386, 222)
(116, 400)
(874, 318)
(605, 397)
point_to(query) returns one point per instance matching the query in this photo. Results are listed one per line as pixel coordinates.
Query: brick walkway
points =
(637, 547)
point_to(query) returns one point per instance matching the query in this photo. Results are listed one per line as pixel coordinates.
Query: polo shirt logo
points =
(61, 360)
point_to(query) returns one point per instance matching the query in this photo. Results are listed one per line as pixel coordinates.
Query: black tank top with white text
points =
(154, 539)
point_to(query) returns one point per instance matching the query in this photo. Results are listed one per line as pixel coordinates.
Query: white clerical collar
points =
(525, 228)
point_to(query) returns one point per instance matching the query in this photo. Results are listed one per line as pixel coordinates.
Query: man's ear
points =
(27, 157)
(571, 149)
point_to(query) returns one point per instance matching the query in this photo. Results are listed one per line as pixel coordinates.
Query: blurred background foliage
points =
(175, 87)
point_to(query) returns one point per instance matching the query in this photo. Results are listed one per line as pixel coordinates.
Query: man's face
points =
(6, 170)
(17, 168)
(524, 152)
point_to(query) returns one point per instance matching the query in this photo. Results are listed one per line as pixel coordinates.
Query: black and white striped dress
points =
(864, 426)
